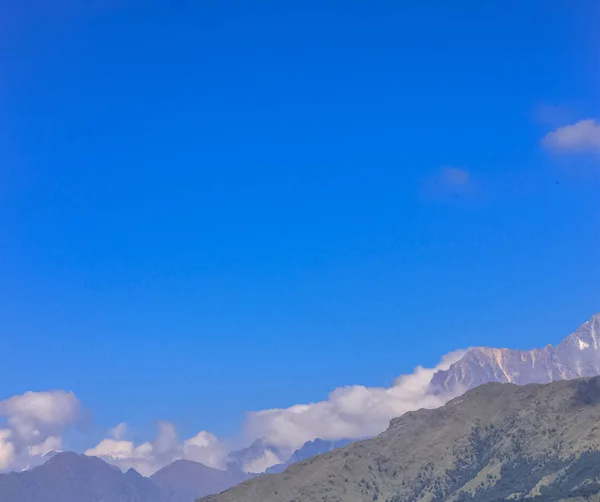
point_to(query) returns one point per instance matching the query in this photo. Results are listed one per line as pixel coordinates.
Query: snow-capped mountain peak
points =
(586, 336)
(578, 355)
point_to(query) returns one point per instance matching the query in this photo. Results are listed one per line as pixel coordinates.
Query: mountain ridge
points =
(494, 442)
(576, 356)
(308, 450)
(186, 480)
(73, 477)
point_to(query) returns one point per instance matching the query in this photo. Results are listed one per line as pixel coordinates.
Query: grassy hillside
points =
(496, 442)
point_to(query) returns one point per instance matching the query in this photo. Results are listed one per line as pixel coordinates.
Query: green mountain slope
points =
(496, 442)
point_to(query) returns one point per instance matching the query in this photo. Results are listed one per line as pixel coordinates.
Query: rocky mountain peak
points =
(587, 336)
(578, 355)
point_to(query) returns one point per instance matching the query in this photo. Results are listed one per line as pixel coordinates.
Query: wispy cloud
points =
(552, 115)
(258, 465)
(448, 183)
(581, 137)
(118, 432)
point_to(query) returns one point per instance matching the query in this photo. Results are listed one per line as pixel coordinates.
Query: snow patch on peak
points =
(583, 345)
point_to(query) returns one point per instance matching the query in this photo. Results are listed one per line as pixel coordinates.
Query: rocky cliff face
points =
(576, 356)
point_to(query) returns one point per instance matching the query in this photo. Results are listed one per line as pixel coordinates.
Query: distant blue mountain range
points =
(308, 450)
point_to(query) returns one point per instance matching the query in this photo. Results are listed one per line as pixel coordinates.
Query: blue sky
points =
(214, 207)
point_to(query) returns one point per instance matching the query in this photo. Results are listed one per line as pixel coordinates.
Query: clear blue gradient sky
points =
(209, 207)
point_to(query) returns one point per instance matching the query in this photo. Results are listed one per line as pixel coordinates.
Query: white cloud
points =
(205, 448)
(581, 137)
(258, 465)
(145, 458)
(7, 450)
(149, 457)
(166, 444)
(350, 412)
(39, 450)
(34, 416)
(35, 422)
(114, 449)
(125, 455)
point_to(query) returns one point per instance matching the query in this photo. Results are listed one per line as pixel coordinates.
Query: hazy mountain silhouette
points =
(70, 477)
(185, 480)
(308, 450)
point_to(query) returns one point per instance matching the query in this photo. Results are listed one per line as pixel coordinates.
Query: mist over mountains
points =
(71, 477)
(496, 442)
(181, 480)
(36, 421)
(359, 411)
(310, 449)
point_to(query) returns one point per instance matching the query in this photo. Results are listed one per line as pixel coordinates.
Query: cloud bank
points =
(351, 412)
(35, 422)
(148, 457)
